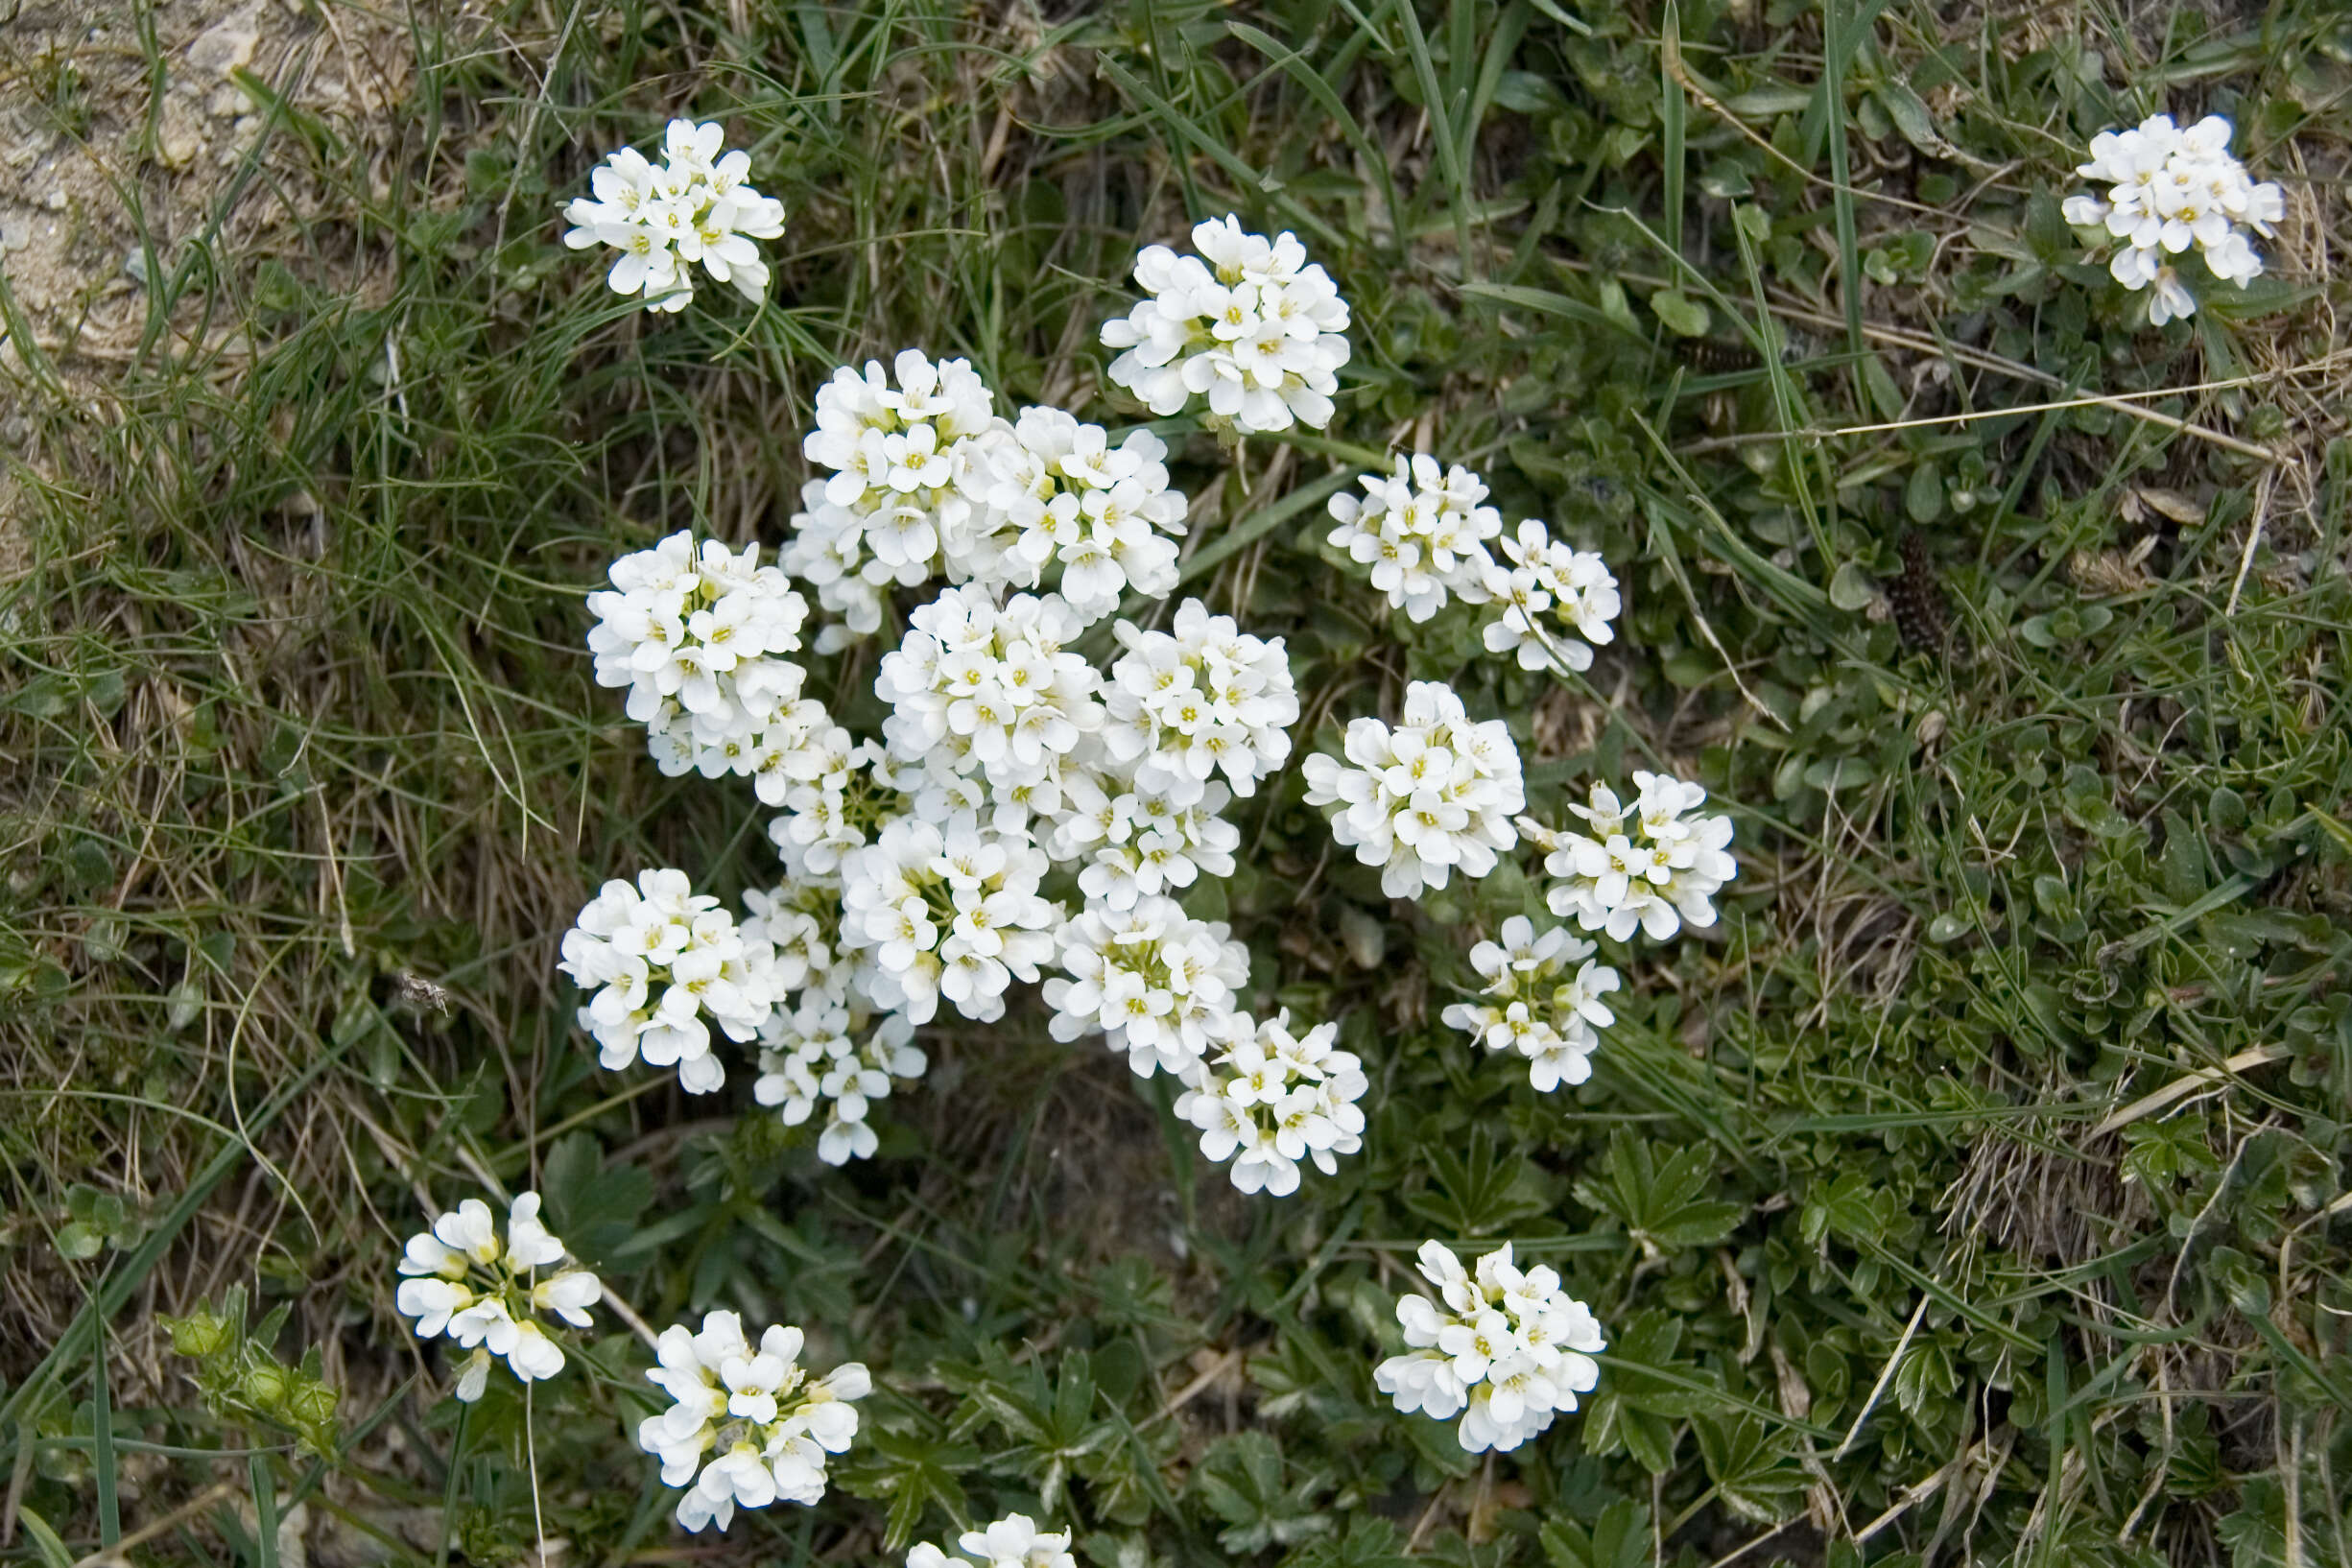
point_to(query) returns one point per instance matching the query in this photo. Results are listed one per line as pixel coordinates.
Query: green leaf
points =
(1659, 1200)
(1850, 587)
(594, 1210)
(1751, 1473)
(1619, 1538)
(1679, 314)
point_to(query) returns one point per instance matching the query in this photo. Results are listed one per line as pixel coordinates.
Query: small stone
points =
(225, 47)
(179, 140)
(134, 267)
(56, 198)
(227, 103)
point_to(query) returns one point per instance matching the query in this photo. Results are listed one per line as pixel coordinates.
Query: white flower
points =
(1062, 504)
(1183, 707)
(698, 635)
(484, 1291)
(2168, 190)
(1645, 867)
(1422, 530)
(695, 208)
(800, 921)
(1013, 1541)
(995, 686)
(1434, 793)
(1248, 322)
(1131, 841)
(952, 912)
(1271, 1099)
(1539, 1009)
(658, 958)
(1540, 574)
(1157, 984)
(1507, 1348)
(749, 1418)
(813, 1057)
(902, 456)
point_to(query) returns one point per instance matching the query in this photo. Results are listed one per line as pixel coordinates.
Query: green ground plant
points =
(1976, 1191)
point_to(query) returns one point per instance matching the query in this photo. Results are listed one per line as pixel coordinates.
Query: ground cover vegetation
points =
(1971, 1187)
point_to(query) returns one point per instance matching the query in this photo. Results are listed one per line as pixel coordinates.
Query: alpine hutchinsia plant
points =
(1027, 815)
(485, 1290)
(2169, 190)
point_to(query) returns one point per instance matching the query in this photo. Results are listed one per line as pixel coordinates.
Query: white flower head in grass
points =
(1505, 1349)
(1156, 982)
(2169, 190)
(1432, 793)
(1271, 1099)
(1248, 322)
(1207, 699)
(992, 689)
(800, 923)
(898, 455)
(699, 635)
(661, 960)
(1133, 842)
(1067, 510)
(694, 208)
(1539, 1007)
(843, 790)
(485, 1290)
(949, 911)
(748, 1425)
(1556, 601)
(1423, 532)
(1652, 864)
(1013, 1541)
(830, 1054)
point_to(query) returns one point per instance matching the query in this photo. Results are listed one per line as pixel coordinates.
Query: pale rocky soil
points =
(90, 149)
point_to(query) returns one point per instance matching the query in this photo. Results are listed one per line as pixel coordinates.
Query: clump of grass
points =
(1978, 1190)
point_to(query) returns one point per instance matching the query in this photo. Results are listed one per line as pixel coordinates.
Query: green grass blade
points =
(45, 1540)
(101, 1441)
(265, 1511)
(1672, 111)
(1838, 53)
(1441, 131)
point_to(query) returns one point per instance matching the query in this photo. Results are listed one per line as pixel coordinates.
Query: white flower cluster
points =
(927, 482)
(1134, 842)
(755, 1425)
(1060, 501)
(1542, 573)
(951, 911)
(1013, 1541)
(989, 688)
(1650, 865)
(1271, 1099)
(1423, 532)
(900, 447)
(1539, 1010)
(1156, 982)
(697, 635)
(1434, 792)
(844, 790)
(485, 1291)
(1249, 322)
(1507, 1348)
(1207, 699)
(2169, 189)
(659, 956)
(828, 1052)
(694, 207)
